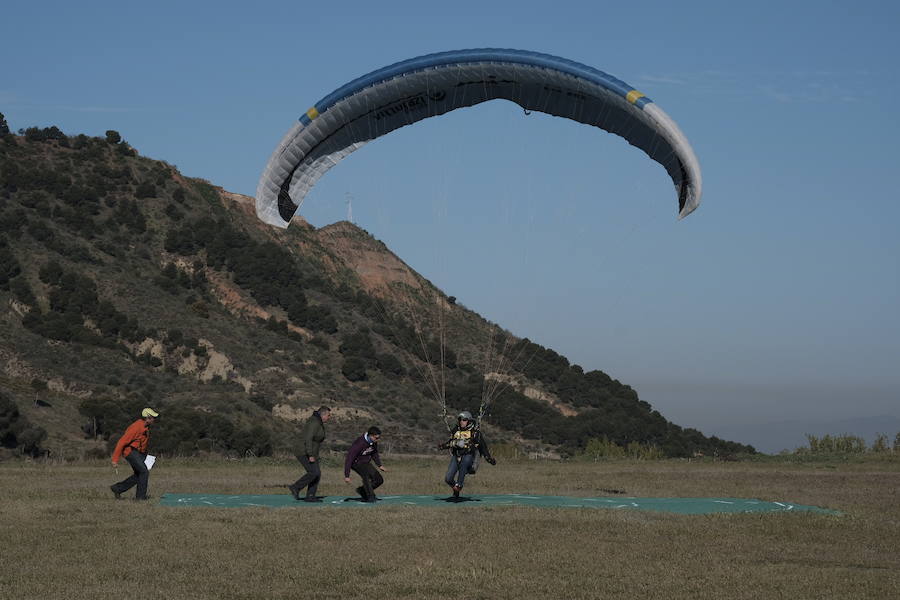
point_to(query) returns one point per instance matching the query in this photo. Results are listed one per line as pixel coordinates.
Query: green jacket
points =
(313, 436)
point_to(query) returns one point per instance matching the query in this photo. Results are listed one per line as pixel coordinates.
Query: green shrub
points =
(354, 369)
(880, 444)
(390, 365)
(599, 448)
(22, 291)
(838, 444)
(9, 266)
(145, 190)
(16, 431)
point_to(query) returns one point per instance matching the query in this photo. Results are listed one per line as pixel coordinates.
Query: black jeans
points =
(141, 476)
(371, 478)
(312, 477)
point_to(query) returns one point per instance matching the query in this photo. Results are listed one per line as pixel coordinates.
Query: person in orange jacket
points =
(133, 446)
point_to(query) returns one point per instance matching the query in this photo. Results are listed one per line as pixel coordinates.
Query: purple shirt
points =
(361, 451)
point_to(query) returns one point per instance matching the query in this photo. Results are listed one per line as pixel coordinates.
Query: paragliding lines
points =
(497, 379)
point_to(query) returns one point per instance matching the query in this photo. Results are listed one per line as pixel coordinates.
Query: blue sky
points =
(777, 301)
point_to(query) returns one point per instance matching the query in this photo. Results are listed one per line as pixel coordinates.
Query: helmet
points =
(464, 415)
(149, 412)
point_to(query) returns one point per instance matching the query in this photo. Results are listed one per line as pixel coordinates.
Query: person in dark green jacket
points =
(308, 455)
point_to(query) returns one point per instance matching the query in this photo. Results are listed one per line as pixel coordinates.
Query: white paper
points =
(149, 460)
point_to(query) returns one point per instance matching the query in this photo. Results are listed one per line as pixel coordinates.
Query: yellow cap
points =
(149, 412)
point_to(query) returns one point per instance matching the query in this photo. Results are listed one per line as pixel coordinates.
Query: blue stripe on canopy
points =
(495, 55)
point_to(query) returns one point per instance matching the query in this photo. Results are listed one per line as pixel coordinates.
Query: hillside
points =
(124, 283)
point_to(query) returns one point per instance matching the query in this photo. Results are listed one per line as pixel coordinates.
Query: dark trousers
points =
(312, 477)
(371, 478)
(459, 467)
(140, 477)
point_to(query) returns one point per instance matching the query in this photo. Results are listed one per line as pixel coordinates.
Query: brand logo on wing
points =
(411, 104)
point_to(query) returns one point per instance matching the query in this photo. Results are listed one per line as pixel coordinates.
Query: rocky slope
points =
(124, 283)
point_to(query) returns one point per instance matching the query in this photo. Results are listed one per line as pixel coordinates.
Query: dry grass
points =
(63, 536)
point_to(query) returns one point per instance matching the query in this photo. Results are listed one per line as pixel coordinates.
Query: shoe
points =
(295, 492)
(362, 492)
(144, 499)
(312, 499)
(369, 500)
(118, 495)
(456, 491)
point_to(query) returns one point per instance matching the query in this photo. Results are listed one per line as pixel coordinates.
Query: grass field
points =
(62, 535)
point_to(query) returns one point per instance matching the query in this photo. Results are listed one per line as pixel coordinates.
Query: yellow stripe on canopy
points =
(633, 96)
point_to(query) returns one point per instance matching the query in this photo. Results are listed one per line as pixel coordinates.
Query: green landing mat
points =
(686, 506)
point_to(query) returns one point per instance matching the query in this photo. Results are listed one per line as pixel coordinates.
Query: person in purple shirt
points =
(362, 453)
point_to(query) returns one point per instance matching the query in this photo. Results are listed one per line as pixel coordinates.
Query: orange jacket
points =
(136, 437)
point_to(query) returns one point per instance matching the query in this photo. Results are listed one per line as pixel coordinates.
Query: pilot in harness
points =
(466, 443)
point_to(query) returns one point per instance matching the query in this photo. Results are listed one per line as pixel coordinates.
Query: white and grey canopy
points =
(428, 86)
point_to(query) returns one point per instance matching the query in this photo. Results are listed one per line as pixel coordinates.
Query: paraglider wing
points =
(432, 85)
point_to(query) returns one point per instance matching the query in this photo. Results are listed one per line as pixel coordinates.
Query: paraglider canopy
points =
(431, 85)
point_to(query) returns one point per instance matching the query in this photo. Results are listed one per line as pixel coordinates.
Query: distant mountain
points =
(124, 284)
(790, 435)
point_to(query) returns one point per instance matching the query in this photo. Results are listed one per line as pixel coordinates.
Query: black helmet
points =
(464, 415)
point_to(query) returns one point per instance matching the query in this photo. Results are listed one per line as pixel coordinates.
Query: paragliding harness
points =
(464, 441)
(474, 466)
